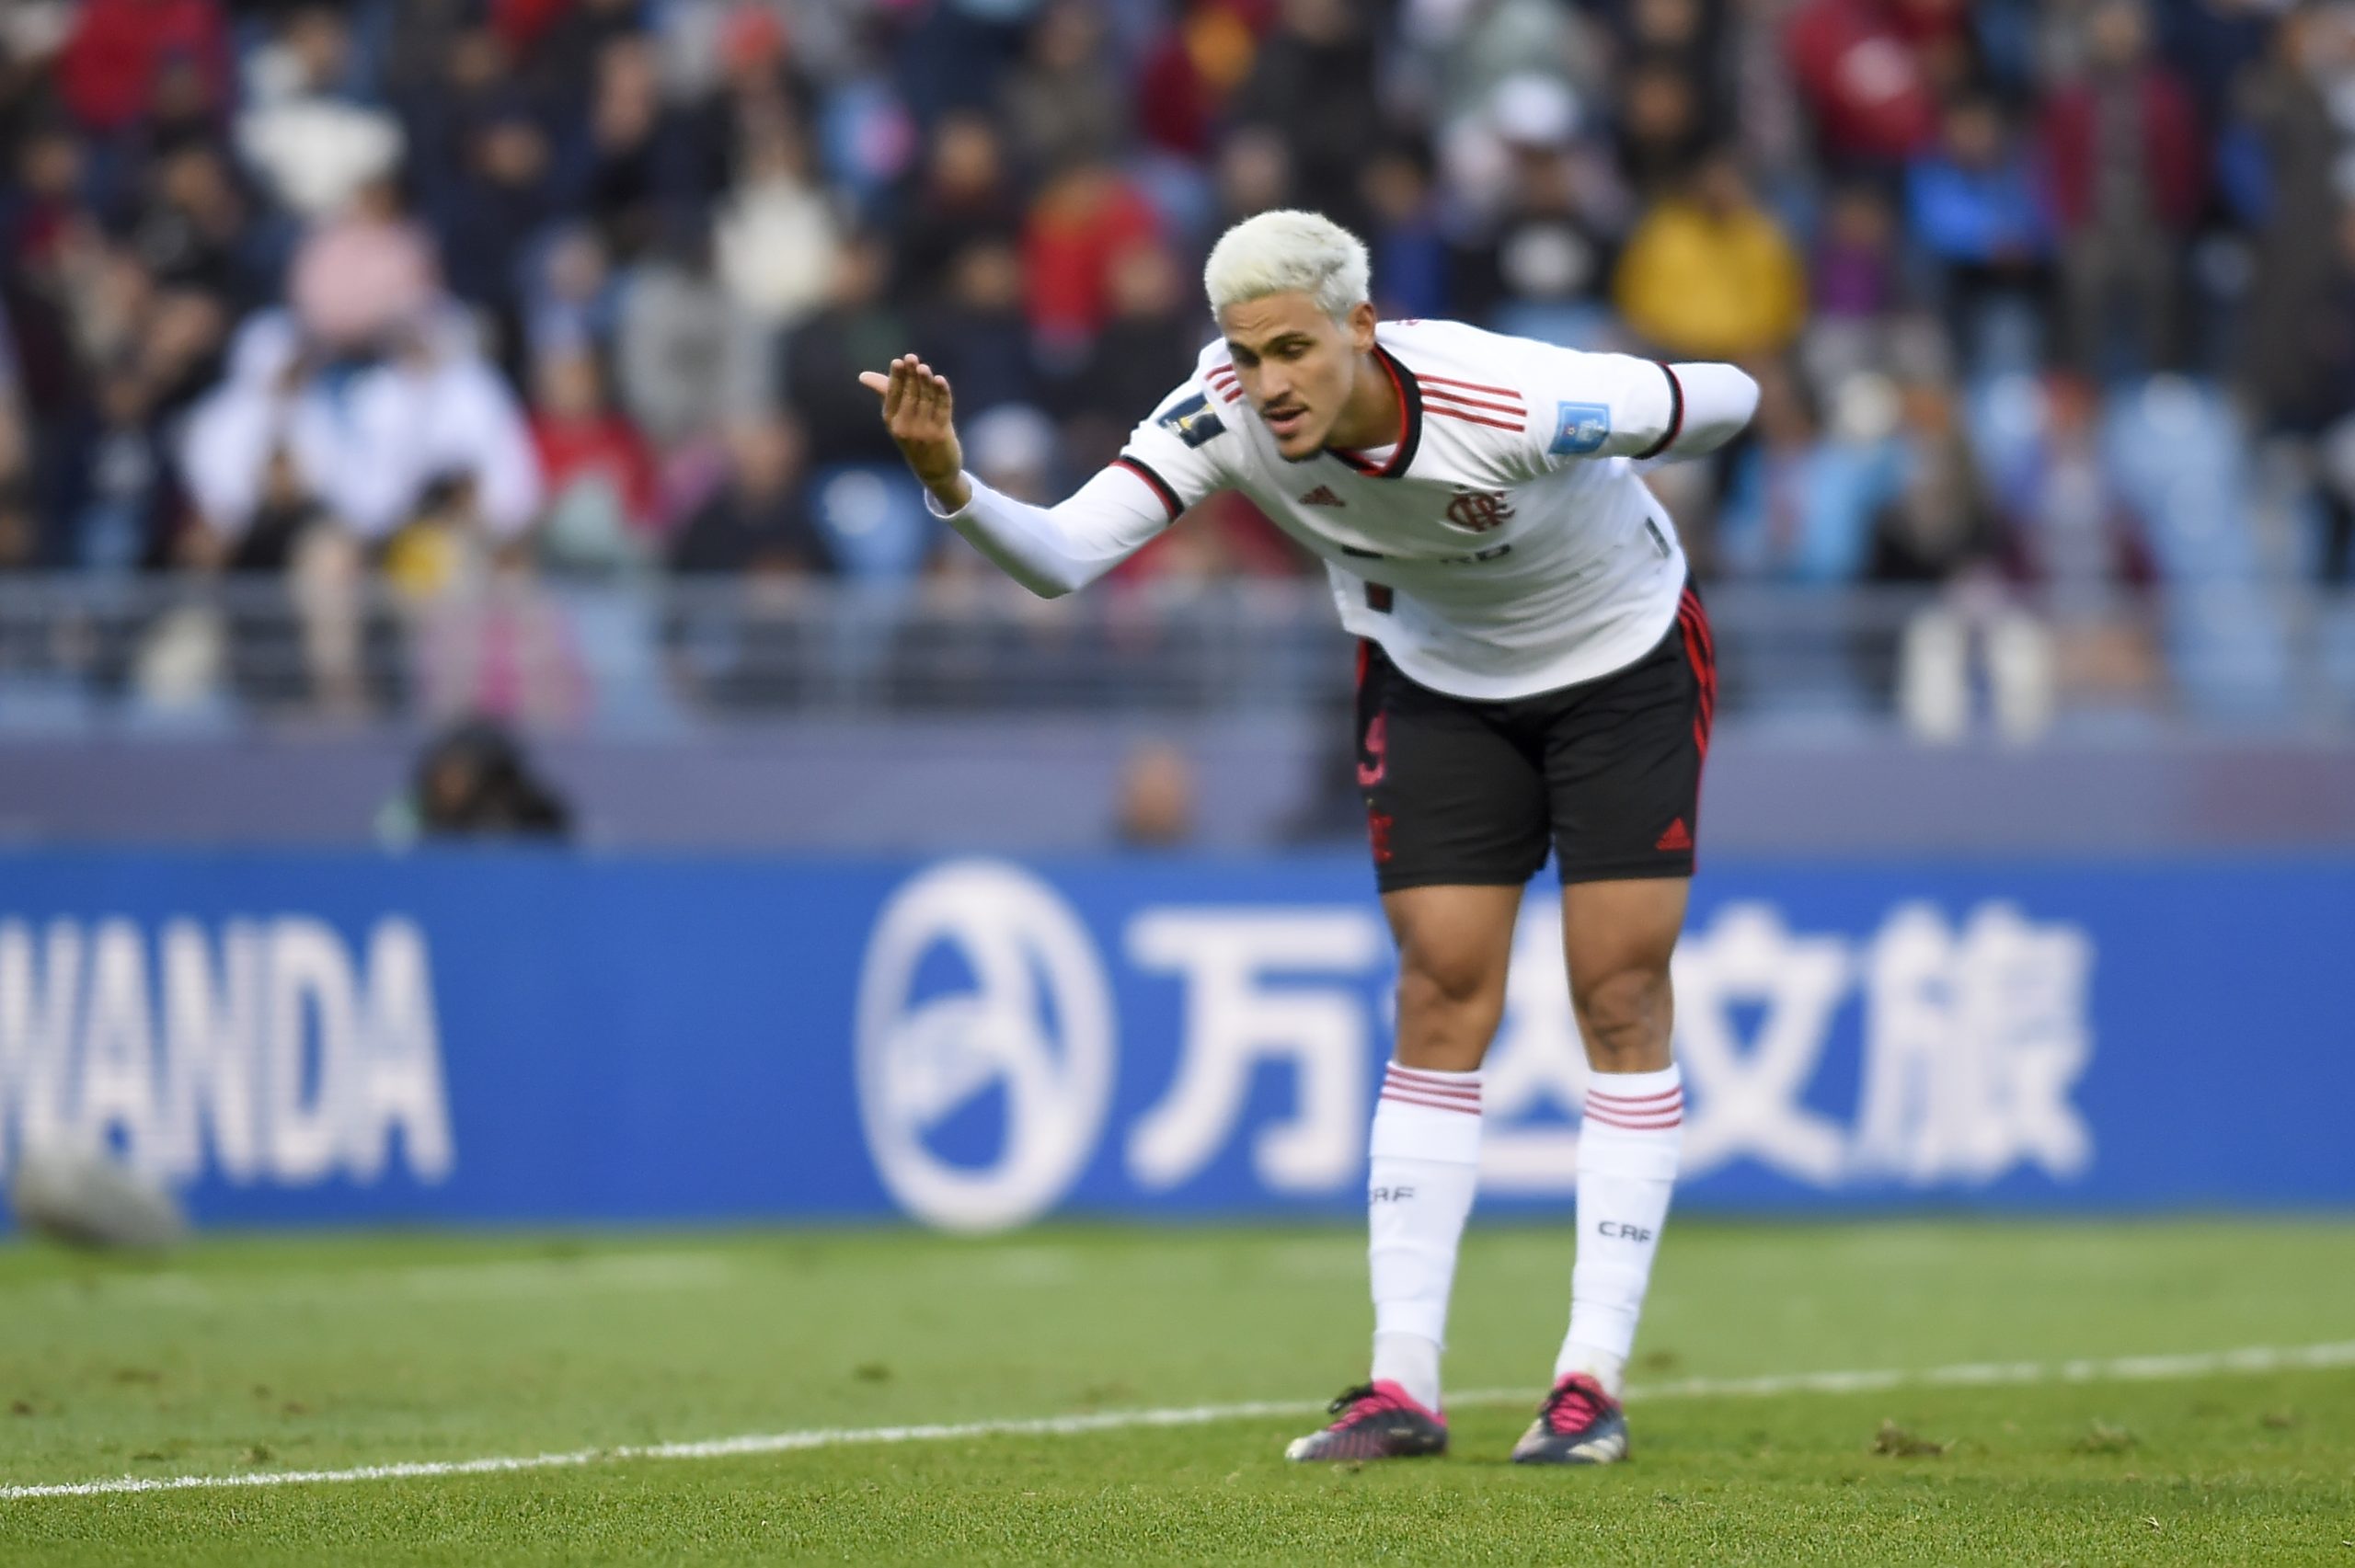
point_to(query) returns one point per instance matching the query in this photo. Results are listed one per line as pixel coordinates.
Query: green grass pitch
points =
(252, 1356)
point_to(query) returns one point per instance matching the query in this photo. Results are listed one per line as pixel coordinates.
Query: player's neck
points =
(1372, 416)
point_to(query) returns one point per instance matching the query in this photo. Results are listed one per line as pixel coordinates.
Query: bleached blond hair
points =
(1287, 252)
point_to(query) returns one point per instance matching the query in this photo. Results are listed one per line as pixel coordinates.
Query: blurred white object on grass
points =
(83, 1196)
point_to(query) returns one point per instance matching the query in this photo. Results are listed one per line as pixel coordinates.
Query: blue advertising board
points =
(528, 1038)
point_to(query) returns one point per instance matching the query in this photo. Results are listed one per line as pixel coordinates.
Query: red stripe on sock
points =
(1405, 1076)
(1412, 1087)
(1634, 1100)
(1404, 1098)
(1471, 1099)
(1436, 1080)
(1658, 1125)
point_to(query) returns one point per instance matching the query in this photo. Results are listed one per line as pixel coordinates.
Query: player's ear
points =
(1360, 323)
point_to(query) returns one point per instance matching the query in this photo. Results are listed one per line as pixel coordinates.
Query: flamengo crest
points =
(1478, 511)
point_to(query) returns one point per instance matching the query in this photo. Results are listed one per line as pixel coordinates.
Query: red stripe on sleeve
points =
(1438, 412)
(1467, 385)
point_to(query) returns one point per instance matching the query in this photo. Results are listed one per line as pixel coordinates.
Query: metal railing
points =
(165, 653)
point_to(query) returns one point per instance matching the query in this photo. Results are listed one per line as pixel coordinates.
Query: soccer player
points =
(1534, 671)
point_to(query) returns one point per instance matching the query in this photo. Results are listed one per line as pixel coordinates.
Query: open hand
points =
(917, 409)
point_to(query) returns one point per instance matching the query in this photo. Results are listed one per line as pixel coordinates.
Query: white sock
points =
(1628, 1145)
(1426, 1165)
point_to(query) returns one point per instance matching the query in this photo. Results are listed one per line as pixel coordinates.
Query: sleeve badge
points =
(1193, 421)
(1580, 428)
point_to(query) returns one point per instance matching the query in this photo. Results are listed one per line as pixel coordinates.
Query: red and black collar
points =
(1410, 433)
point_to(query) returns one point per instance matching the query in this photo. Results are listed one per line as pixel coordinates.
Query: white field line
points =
(527, 1279)
(2196, 1364)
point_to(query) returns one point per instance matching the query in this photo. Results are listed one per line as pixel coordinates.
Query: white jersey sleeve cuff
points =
(1709, 405)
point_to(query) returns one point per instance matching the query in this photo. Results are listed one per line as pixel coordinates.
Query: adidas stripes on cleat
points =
(1377, 1421)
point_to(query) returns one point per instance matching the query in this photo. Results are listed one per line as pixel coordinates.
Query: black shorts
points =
(1606, 772)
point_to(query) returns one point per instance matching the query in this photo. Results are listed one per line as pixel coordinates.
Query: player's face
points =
(1297, 365)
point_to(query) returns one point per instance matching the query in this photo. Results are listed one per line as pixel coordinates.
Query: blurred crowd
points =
(450, 303)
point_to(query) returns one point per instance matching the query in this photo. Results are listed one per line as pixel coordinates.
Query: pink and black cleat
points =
(1376, 1420)
(1578, 1425)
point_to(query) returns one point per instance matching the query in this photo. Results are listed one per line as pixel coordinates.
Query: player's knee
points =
(1449, 1000)
(1625, 1016)
(1446, 976)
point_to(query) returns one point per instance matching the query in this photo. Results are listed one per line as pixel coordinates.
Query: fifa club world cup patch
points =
(1581, 428)
(1193, 421)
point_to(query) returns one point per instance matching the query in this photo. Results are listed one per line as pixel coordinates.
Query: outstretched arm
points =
(1709, 404)
(1048, 550)
(1618, 405)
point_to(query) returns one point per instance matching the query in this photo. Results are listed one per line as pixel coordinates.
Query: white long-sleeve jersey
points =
(1502, 546)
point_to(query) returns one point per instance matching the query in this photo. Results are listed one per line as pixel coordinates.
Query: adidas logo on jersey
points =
(1678, 837)
(1322, 495)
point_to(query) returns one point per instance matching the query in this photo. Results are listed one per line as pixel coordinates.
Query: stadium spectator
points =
(2332, 333)
(777, 239)
(504, 196)
(1855, 263)
(758, 521)
(635, 149)
(121, 54)
(738, 652)
(304, 126)
(489, 640)
(823, 357)
(1404, 233)
(977, 334)
(571, 298)
(2078, 539)
(1147, 345)
(194, 229)
(1941, 525)
(117, 489)
(2074, 531)
(363, 275)
(604, 494)
(1063, 103)
(474, 780)
(368, 433)
(2287, 120)
(2122, 150)
(47, 203)
(1085, 216)
(1157, 797)
(963, 197)
(1975, 210)
(1863, 317)
(1709, 273)
(689, 355)
(1186, 72)
(1543, 254)
(1313, 83)
(1251, 173)
(284, 513)
(1866, 81)
(1663, 128)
